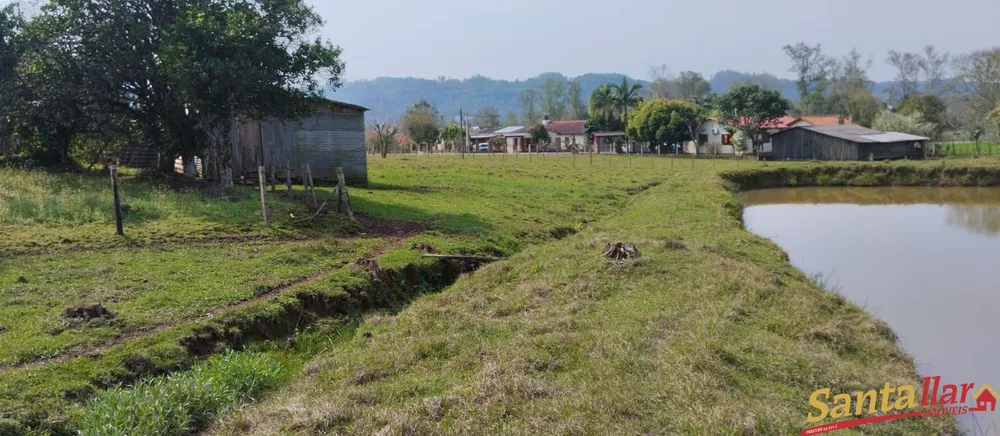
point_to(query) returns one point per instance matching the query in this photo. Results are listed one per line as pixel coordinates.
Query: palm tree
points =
(601, 101)
(624, 96)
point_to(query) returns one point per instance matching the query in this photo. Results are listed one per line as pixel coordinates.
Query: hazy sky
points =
(517, 39)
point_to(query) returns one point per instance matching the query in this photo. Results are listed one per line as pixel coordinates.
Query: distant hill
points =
(388, 97)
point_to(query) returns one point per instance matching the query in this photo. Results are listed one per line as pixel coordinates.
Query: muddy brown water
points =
(926, 260)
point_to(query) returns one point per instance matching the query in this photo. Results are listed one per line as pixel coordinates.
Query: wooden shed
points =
(332, 136)
(845, 142)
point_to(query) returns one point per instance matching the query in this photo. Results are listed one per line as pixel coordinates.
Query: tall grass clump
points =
(182, 403)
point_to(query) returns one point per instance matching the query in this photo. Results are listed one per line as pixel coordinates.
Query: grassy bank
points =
(710, 332)
(177, 300)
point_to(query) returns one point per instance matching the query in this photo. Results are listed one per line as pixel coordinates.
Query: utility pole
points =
(465, 131)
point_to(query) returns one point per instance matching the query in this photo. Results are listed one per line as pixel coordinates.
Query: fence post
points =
(312, 187)
(118, 204)
(263, 195)
(288, 175)
(274, 178)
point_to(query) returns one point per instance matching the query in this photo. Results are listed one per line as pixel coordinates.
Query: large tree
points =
(979, 80)
(554, 98)
(908, 67)
(929, 109)
(691, 86)
(420, 123)
(751, 109)
(852, 94)
(487, 117)
(577, 107)
(661, 83)
(935, 68)
(528, 103)
(811, 66)
(252, 59)
(663, 122)
(181, 72)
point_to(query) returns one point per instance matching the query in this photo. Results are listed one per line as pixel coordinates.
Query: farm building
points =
(844, 142)
(332, 136)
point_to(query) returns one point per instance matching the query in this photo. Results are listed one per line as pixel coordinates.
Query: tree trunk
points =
(190, 168)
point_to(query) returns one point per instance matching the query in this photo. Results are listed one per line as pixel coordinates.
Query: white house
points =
(567, 135)
(713, 138)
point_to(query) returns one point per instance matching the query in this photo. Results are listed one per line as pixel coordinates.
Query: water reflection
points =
(923, 259)
(975, 209)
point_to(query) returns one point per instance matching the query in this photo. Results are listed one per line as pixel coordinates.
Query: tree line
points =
(934, 94)
(83, 76)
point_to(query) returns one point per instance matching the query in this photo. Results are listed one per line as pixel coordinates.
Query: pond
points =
(926, 260)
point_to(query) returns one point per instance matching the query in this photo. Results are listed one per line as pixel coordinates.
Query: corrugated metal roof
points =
(511, 130)
(895, 137)
(859, 134)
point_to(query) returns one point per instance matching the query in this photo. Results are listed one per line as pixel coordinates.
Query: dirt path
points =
(97, 349)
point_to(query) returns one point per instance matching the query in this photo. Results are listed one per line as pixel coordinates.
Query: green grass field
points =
(969, 148)
(710, 332)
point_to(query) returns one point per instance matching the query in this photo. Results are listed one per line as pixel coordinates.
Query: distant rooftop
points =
(861, 135)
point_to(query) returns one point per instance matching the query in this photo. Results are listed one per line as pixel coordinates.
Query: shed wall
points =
(325, 140)
(803, 144)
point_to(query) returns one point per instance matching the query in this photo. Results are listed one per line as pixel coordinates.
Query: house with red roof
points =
(566, 135)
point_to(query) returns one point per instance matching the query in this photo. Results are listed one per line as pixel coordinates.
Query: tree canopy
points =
(179, 73)
(662, 121)
(751, 109)
(420, 122)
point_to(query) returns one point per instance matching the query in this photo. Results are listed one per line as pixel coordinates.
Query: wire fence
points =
(967, 148)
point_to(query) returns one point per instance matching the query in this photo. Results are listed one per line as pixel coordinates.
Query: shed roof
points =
(859, 134)
(324, 100)
(571, 127)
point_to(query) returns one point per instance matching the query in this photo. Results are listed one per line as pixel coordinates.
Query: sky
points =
(518, 39)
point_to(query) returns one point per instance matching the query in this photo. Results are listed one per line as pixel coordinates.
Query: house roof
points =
(825, 120)
(506, 131)
(859, 134)
(781, 123)
(572, 127)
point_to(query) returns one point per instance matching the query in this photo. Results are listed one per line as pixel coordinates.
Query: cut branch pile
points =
(621, 251)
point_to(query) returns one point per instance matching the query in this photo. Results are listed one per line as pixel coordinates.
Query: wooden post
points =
(591, 157)
(288, 175)
(118, 203)
(274, 178)
(263, 195)
(312, 187)
(342, 184)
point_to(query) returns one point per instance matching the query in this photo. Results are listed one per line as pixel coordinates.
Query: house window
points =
(726, 139)
(703, 138)
(765, 138)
